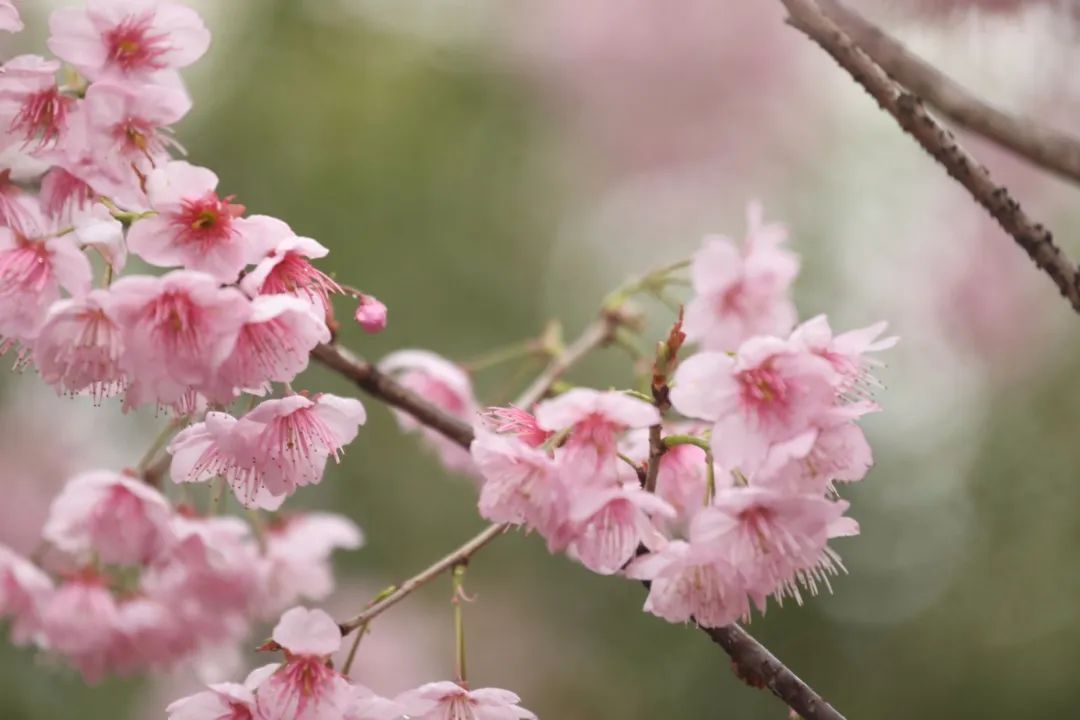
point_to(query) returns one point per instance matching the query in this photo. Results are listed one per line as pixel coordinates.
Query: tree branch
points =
(402, 591)
(597, 334)
(751, 660)
(1046, 147)
(909, 111)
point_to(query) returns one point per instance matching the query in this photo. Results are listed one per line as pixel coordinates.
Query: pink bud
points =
(371, 314)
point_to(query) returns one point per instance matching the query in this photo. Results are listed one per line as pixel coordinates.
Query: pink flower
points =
(122, 131)
(62, 194)
(446, 700)
(211, 448)
(371, 314)
(9, 17)
(80, 621)
(113, 517)
(223, 701)
(23, 586)
(79, 348)
(33, 112)
(32, 271)
(197, 229)
(685, 587)
(845, 352)
(595, 420)
(292, 438)
(207, 585)
(516, 422)
(769, 392)
(274, 344)
(366, 705)
(521, 483)
(442, 383)
(774, 541)
(296, 559)
(305, 687)
(287, 269)
(834, 450)
(608, 524)
(18, 209)
(739, 293)
(177, 330)
(127, 39)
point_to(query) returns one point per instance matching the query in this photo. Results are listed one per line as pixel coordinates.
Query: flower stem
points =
(352, 651)
(459, 622)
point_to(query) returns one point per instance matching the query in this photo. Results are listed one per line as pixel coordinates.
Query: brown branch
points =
(909, 111)
(750, 659)
(380, 385)
(402, 591)
(1049, 148)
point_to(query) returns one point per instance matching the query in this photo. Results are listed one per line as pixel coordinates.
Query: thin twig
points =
(456, 557)
(597, 334)
(911, 114)
(1044, 146)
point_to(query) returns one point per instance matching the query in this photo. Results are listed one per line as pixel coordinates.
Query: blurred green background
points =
(459, 165)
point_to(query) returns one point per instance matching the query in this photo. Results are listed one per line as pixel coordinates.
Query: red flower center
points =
(134, 46)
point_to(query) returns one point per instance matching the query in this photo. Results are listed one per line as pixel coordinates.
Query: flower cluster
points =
(744, 502)
(307, 687)
(130, 583)
(89, 176)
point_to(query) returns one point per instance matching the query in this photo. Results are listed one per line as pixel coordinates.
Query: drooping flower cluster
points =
(126, 580)
(748, 518)
(307, 687)
(128, 583)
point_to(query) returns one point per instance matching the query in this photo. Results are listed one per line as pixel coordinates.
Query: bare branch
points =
(402, 591)
(1044, 146)
(909, 111)
(596, 335)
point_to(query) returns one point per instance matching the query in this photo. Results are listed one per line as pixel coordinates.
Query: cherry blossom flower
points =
(608, 524)
(742, 292)
(223, 701)
(32, 271)
(80, 621)
(23, 587)
(197, 229)
(296, 560)
(366, 705)
(685, 587)
(9, 17)
(305, 687)
(442, 383)
(121, 131)
(770, 391)
(595, 420)
(274, 344)
(683, 472)
(371, 314)
(443, 700)
(62, 194)
(293, 437)
(287, 269)
(79, 348)
(127, 39)
(205, 450)
(117, 518)
(177, 330)
(33, 112)
(17, 208)
(845, 352)
(517, 422)
(521, 483)
(775, 541)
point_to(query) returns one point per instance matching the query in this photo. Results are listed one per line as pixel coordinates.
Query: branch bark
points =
(751, 660)
(1046, 147)
(910, 113)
